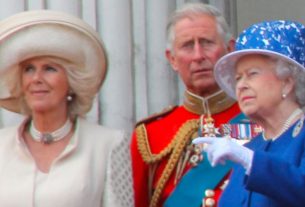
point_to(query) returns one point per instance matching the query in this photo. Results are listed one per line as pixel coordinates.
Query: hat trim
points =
(229, 60)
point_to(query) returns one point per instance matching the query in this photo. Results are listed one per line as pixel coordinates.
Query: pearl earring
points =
(284, 95)
(69, 98)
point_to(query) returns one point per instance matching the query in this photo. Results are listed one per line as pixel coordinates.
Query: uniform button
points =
(209, 193)
(210, 202)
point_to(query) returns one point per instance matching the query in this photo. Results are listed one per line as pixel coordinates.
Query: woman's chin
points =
(249, 111)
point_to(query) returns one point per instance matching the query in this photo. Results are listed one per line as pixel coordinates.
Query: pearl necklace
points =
(49, 137)
(287, 123)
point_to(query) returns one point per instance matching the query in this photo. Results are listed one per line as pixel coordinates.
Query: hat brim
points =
(224, 71)
(48, 33)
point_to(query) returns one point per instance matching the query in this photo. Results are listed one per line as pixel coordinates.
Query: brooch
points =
(297, 128)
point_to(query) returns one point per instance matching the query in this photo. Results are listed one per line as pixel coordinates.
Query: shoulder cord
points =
(144, 148)
(176, 146)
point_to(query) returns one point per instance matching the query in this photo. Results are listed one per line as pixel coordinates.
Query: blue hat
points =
(281, 39)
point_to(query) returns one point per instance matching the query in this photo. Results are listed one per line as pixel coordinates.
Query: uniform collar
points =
(215, 103)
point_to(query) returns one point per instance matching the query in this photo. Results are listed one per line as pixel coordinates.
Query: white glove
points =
(221, 149)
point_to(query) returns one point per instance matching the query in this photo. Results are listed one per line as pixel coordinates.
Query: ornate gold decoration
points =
(213, 104)
(207, 127)
(175, 147)
(144, 148)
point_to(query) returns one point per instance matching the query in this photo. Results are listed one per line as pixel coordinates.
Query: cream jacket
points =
(77, 178)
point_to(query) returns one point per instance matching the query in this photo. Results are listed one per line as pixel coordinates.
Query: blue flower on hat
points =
(282, 36)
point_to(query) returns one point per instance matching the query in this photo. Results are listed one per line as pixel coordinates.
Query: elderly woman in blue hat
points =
(266, 75)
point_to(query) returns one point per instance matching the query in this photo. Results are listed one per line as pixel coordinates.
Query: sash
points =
(190, 190)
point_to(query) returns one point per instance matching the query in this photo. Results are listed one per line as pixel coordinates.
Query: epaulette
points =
(156, 116)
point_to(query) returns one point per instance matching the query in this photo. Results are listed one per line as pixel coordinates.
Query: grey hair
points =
(82, 86)
(190, 10)
(285, 69)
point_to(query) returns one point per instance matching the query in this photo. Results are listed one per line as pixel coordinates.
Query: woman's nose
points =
(37, 75)
(241, 84)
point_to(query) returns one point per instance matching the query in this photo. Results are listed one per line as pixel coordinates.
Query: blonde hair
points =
(82, 86)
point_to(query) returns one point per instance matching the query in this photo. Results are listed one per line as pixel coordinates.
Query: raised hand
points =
(221, 149)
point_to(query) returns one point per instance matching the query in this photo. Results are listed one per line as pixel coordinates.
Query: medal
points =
(240, 131)
(207, 127)
(197, 156)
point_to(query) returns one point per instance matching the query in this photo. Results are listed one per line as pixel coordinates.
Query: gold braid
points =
(177, 145)
(144, 148)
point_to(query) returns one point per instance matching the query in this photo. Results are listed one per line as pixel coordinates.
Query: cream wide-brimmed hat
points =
(48, 33)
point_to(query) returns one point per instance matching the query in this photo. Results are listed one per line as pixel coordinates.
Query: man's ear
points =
(171, 59)
(231, 45)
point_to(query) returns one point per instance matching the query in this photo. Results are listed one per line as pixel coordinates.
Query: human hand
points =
(221, 149)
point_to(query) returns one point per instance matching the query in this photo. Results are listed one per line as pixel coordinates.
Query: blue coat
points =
(277, 177)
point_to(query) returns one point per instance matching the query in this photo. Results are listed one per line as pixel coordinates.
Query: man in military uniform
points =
(162, 154)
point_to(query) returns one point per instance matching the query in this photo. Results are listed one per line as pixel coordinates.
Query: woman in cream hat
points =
(266, 74)
(51, 67)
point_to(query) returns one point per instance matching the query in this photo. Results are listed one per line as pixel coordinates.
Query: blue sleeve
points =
(278, 178)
